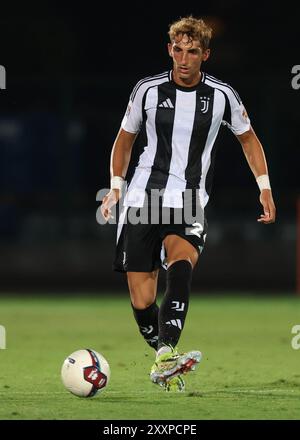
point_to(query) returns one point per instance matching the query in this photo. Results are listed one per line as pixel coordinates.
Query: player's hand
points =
(266, 200)
(108, 202)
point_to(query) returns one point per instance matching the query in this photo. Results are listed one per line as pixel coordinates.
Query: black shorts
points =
(140, 246)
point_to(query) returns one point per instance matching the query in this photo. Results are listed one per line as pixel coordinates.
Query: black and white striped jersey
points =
(180, 126)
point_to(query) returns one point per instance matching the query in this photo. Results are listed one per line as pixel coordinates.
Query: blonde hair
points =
(194, 28)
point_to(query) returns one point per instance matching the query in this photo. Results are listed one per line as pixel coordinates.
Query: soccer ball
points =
(85, 373)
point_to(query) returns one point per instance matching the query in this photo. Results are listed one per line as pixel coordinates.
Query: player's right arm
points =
(121, 153)
(119, 162)
(122, 147)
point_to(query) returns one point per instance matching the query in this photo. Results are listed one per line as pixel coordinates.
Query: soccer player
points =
(178, 115)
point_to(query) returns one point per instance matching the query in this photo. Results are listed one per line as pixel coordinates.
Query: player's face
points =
(187, 57)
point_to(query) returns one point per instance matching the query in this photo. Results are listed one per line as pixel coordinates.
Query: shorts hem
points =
(117, 268)
(185, 238)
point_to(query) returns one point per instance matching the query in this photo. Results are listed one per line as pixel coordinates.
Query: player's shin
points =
(147, 321)
(174, 306)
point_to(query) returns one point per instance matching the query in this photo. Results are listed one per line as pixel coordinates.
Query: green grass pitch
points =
(249, 369)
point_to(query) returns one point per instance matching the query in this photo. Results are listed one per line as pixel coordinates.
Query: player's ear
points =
(205, 55)
(170, 50)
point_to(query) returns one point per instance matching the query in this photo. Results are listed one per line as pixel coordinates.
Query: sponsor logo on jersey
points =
(166, 104)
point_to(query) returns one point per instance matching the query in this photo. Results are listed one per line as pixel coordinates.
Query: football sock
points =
(174, 306)
(147, 321)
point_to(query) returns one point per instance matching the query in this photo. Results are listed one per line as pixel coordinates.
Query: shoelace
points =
(171, 359)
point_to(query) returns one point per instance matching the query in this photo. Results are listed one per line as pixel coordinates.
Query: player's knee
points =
(141, 298)
(139, 302)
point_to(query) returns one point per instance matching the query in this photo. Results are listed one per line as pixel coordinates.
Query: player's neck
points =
(188, 82)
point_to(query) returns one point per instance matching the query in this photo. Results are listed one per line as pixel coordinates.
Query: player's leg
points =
(182, 257)
(138, 254)
(143, 289)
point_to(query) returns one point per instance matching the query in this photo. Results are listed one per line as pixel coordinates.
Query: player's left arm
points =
(255, 156)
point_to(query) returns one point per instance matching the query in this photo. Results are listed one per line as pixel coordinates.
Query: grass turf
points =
(249, 369)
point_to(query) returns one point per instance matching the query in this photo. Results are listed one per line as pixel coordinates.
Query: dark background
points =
(70, 69)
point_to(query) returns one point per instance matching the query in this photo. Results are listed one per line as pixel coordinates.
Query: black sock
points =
(174, 306)
(147, 320)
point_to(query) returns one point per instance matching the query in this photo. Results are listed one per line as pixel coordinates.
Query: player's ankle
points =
(162, 350)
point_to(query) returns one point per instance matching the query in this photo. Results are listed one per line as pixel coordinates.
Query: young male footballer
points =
(178, 114)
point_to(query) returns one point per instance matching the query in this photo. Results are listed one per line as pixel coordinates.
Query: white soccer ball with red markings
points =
(85, 373)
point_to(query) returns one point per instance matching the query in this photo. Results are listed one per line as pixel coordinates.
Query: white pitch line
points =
(137, 393)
